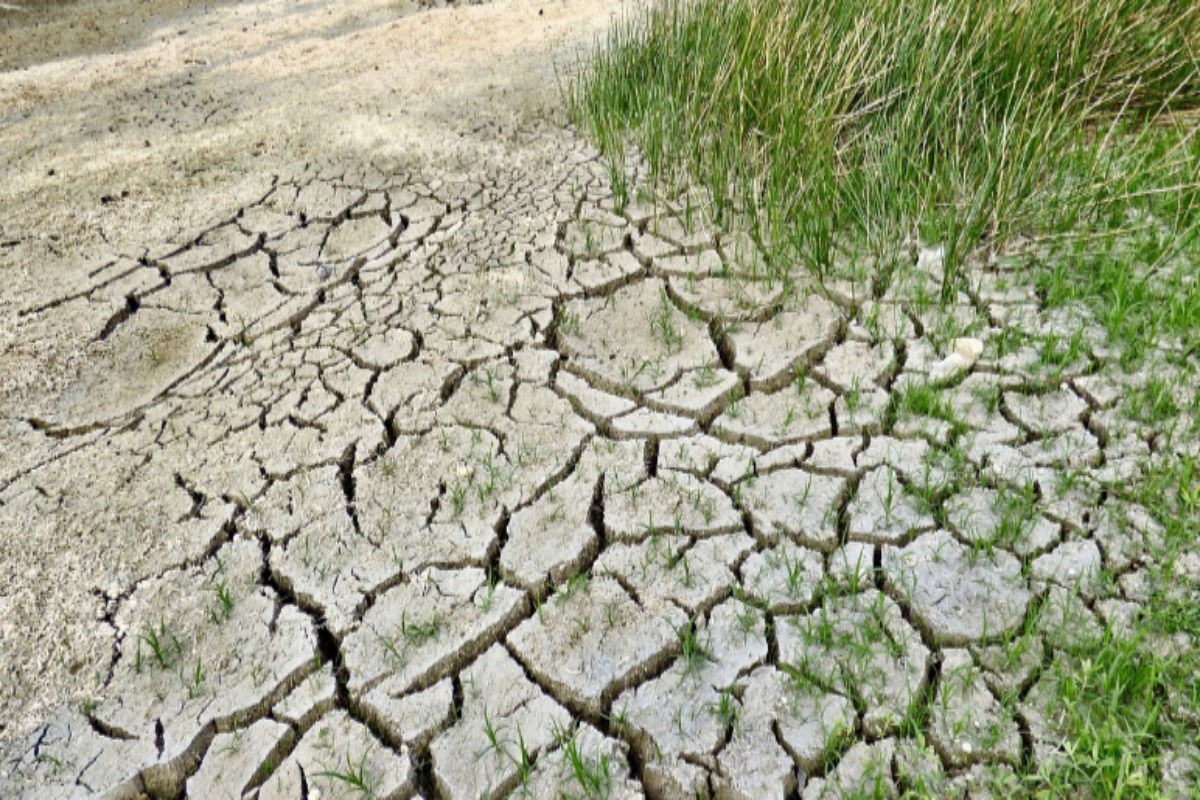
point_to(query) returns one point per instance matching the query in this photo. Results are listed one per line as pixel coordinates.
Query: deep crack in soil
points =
(356, 436)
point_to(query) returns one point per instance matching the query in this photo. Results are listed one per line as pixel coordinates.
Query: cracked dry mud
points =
(457, 479)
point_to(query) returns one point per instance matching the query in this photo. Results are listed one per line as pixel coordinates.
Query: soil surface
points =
(358, 441)
(128, 130)
(48, 30)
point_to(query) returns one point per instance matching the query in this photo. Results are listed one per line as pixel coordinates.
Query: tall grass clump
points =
(849, 124)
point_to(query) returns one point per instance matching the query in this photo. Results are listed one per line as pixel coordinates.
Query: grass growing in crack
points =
(493, 392)
(1017, 514)
(695, 653)
(688, 580)
(1126, 700)
(925, 400)
(488, 601)
(847, 125)
(618, 721)
(593, 775)
(243, 336)
(748, 617)
(705, 377)
(417, 633)
(727, 710)
(458, 499)
(165, 647)
(568, 322)
(1114, 716)
(579, 582)
(1060, 352)
(196, 686)
(858, 576)
(355, 776)
(854, 396)
(387, 466)
(224, 607)
(524, 760)
(799, 378)
(796, 575)
(662, 324)
(1153, 402)
(492, 734)
(1142, 289)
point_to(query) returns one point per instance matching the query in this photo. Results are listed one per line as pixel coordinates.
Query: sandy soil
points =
(36, 31)
(128, 126)
(106, 153)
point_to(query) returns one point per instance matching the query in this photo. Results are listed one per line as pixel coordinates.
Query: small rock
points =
(966, 353)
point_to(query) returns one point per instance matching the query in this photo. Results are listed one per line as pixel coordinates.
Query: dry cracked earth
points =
(466, 481)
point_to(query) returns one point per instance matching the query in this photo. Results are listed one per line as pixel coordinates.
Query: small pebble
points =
(970, 349)
(324, 271)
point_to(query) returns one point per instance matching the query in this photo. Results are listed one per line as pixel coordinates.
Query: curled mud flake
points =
(590, 640)
(242, 759)
(409, 717)
(506, 723)
(339, 753)
(959, 595)
(795, 505)
(864, 769)
(771, 353)
(420, 631)
(797, 413)
(885, 511)
(859, 646)
(969, 725)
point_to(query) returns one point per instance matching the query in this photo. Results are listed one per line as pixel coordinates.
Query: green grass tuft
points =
(849, 126)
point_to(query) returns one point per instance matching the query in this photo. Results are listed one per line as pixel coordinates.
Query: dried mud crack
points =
(478, 483)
